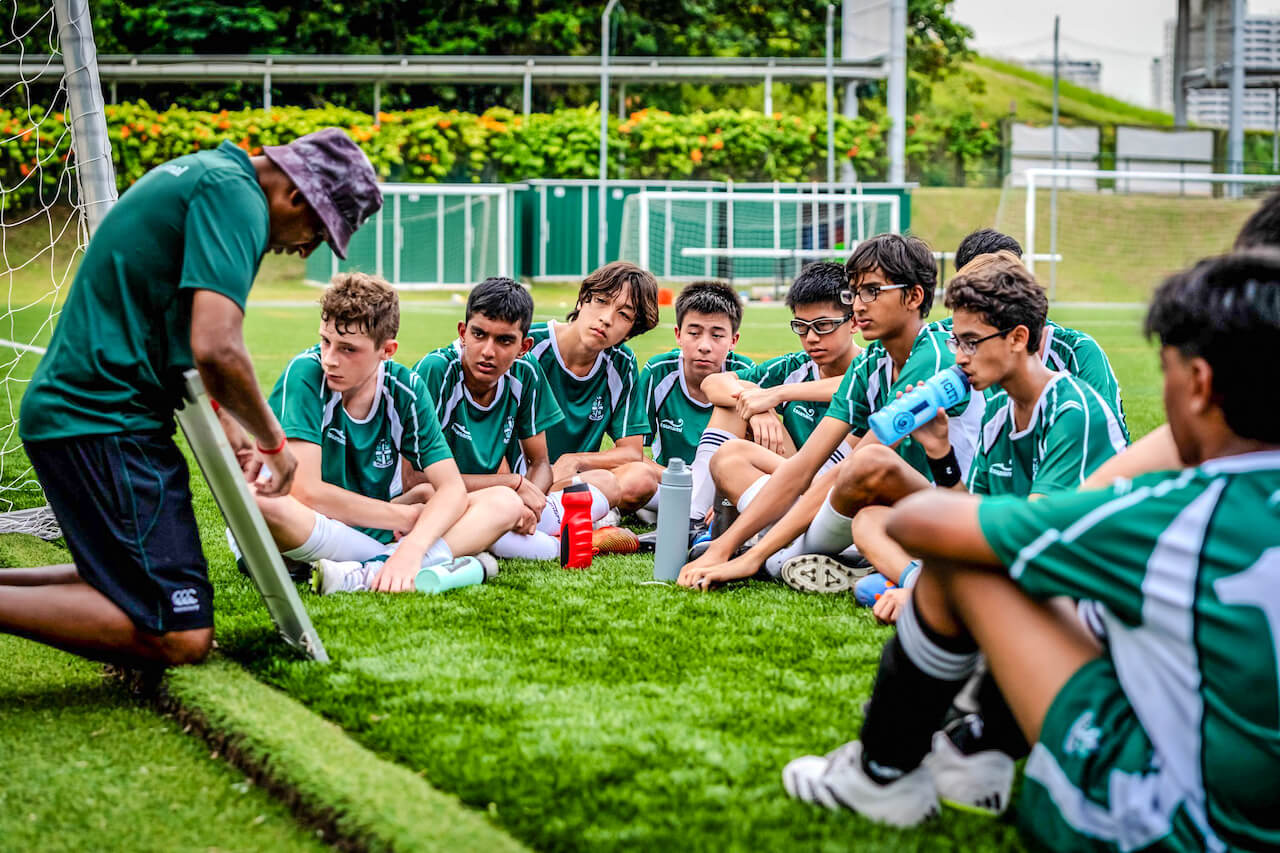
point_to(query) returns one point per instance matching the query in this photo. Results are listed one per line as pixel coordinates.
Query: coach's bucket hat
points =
(336, 179)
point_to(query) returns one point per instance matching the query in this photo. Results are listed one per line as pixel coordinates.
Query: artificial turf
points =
(587, 710)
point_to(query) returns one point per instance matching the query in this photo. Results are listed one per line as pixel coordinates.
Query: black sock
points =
(999, 730)
(920, 674)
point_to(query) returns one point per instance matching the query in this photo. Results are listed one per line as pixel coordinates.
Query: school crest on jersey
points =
(508, 428)
(383, 455)
(597, 409)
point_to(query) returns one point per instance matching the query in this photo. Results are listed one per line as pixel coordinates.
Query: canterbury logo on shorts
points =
(185, 600)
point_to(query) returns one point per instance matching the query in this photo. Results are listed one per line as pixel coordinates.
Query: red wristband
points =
(521, 483)
(214, 403)
(265, 452)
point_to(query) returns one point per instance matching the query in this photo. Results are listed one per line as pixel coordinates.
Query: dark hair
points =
(1004, 293)
(901, 260)
(1262, 228)
(362, 303)
(985, 241)
(710, 297)
(1226, 310)
(819, 282)
(609, 281)
(500, 298)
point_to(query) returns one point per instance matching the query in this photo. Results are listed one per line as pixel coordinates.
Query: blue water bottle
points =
(920, 405)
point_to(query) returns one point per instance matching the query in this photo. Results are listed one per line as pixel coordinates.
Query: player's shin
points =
(921, 671)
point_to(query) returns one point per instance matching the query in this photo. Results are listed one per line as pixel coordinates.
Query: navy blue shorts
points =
(124, 503)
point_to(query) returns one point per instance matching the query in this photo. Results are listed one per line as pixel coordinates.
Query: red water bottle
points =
(575, 527)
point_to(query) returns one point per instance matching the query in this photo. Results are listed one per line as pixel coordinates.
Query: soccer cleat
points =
(867, 590)
(822, 573)
(330, 576)
(614, 540)
(978, 782)
(490, 564)
(838, 781)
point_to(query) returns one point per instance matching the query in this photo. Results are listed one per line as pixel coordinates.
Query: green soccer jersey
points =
(361, 456)
(123, 340)
(1072, 431)
(664, 410)
(1074, 352)
(799, 417)
(593, 405)
(1079, 354)
(480, 436)
(869, 385)
(1185, 568)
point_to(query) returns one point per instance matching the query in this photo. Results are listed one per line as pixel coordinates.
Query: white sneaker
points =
(646, 515)
(609, 519)
(979, 783)
(490, 564)
(822, 573)
(330, 576)
(838, 780)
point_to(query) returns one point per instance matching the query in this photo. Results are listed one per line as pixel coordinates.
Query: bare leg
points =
(77, 618)
(42, 576)
(874, 543)
(874, 475)
(1032, 647)
(490, 513)
(289, 520)
(639, 482)
(740, 463)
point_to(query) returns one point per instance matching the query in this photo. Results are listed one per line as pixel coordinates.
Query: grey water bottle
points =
(674, 496)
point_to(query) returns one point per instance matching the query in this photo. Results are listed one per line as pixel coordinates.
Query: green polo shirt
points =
(123, 342)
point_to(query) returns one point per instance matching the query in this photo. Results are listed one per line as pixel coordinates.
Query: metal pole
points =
(377, 99)
(847, 172)
(94, 171)
(1235, 132)
(1275, 130)
(768, 91)
(622, 101)
(831, 121)
(897, 91)
(1181, 47)
(602, 221)
(1053, 191)
(526, 96)
(266, 86)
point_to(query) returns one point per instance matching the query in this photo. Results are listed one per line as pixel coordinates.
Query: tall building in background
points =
(1212, 107)
(1082, 72)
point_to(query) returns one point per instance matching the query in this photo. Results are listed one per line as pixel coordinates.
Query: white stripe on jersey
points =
(284, 385)
(804, 373)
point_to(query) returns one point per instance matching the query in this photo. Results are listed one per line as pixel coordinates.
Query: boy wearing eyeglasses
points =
(891, 281)
(780, 402)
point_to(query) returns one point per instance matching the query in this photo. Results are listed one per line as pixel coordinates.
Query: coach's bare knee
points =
(637, 481)
(179, 648)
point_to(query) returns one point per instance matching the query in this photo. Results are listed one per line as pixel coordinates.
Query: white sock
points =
(704, 488)
(537, 546)
(773, 565)
(333, 540)
(750, 494)
(830, 532)
(553, 512)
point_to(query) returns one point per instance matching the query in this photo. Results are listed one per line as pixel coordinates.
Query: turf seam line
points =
(408, 814)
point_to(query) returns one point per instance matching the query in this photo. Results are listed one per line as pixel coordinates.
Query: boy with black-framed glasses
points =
(780, 401)
(805, 541)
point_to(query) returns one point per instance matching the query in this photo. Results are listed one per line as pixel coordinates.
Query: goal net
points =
(682, 235)
(1112, 237)
(56, 182)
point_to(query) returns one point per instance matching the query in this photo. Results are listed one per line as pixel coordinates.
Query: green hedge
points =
(437, 145)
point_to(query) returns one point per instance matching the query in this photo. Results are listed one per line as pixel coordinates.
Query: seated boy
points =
(892, 280)
(1061, 348)
(350, 414)
(798, 386)
(671, 409)
(1166, 736)
(592, 374)
(489, 401)
(1043, 431)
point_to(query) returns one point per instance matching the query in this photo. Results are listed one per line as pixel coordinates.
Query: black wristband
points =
(946, 471)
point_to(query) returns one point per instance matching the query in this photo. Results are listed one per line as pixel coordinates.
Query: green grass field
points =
(573, 710)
